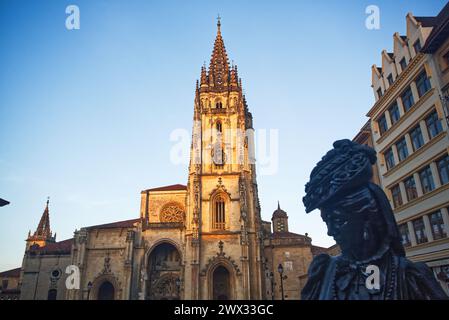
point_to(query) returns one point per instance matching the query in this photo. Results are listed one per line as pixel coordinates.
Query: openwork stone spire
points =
(43, 229)
(43, 233)
(219, 65)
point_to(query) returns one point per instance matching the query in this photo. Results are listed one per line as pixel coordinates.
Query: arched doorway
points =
(52, 294)
(106, 291)
(164, 273)
(221, 284)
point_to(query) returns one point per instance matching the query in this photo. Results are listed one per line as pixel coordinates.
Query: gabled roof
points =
(117, 224)
(13, 273)
(316, 250)
(173, 187)
(427, 21)
(61, 247)
(286, 234)
(440, 31)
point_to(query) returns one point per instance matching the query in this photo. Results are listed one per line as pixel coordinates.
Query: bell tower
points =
(223, 224)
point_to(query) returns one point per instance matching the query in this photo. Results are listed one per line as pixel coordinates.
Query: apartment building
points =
(410, 134)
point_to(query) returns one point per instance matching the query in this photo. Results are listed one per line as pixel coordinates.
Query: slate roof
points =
(173, 187)
(13, 273)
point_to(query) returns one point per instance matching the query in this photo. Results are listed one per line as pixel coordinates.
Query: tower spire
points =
(43, 233)
(219, 64)
(43, 229)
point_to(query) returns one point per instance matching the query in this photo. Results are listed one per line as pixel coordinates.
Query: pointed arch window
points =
(219, 126)
(219, 213)
(219, 105)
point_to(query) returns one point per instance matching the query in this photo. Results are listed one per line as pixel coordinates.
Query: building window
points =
(405, 235)
(389, 158)
(219, 105)
(443, 169)
(396, 195)
(420, 230)
(446, 59)
(417, 46)
(280, 226)
(219, 127)
(403, 64)
(437, 225)
(407, 99)
(433, 124)
(410, 188)
(379, 93)
(416, 137)
(390, 79)
(382, 122)
(394, 113)
(219, 222)
(426, 178)
(401, 146)
(422, 83)
(4, 284)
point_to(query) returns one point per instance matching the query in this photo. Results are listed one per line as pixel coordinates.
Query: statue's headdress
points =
(347, 166)
(342, 170)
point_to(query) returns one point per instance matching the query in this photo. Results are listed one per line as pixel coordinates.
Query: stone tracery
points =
(172, 212)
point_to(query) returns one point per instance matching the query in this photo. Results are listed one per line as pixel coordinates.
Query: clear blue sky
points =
(85, 115)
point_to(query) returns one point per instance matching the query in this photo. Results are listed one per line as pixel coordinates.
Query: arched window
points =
(218, 215)
(219, 127)
(52, 294)
(219, 105)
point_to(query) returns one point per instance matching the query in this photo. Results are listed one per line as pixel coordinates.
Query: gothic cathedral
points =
(203, 240)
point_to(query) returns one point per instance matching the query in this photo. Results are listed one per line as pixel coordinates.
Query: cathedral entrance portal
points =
(164, 273)
(106, 291)
(221, 284)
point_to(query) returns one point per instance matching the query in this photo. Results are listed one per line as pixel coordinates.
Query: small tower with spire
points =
(43, 233)
(280, 220)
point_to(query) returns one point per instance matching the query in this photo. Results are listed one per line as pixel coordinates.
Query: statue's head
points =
(357, 213)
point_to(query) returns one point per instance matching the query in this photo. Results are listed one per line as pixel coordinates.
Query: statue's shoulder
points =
(319, 264)
(316, 277)
(419, 275)
(416, 269)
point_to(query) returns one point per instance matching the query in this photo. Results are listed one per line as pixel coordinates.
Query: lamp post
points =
(89, 287)
(281, 274)
(272, 285)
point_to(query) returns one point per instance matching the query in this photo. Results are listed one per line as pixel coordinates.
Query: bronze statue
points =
(359, 217)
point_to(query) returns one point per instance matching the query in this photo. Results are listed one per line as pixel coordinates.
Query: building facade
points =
(410, 134)
(9, 284)
(365, 137)
(203, 240)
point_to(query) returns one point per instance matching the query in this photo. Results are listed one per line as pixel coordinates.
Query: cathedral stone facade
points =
(203, 240)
